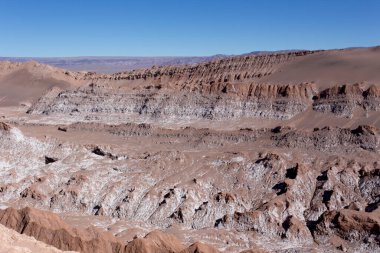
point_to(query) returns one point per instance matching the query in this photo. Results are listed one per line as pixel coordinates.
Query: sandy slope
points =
(329, 68)
(26, 82)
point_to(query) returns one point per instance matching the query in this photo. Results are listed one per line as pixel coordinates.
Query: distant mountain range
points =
(112, 64)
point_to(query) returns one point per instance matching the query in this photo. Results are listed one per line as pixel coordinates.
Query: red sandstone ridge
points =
(13, 242)
(49, 228)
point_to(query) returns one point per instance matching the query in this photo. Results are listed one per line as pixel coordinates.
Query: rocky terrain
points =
(239, 154)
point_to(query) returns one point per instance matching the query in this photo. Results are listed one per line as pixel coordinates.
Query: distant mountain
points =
(274, 52)
(112, 64)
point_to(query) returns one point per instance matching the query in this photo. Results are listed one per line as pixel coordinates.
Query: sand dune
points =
(334, 67)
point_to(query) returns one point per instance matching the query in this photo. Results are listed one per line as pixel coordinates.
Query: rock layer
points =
(227, 88)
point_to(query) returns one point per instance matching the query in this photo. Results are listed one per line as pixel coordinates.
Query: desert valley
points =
(271, 152)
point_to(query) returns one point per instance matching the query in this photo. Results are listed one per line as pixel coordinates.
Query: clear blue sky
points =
(183, 27)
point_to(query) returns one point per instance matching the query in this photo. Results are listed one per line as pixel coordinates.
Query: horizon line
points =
(187, 56)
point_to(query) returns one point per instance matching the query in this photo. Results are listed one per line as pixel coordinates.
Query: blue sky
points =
(183, 27)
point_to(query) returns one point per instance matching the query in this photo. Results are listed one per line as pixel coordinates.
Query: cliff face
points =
(343, 100)
(229, 101)
(228, 70)
(215, 90)
(227, 88)
(234, 101)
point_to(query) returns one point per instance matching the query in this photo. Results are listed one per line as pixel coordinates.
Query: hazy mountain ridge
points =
(111, 64)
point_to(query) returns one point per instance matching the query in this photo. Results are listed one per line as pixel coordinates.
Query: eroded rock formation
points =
(272, 153)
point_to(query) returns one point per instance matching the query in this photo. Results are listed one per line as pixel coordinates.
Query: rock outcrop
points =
(343, 100)
(49, 228)
(13, 242)
(234, 101)
(350, 226)
(226, 70)
(155, 241)
(328, 139)
(200, 248)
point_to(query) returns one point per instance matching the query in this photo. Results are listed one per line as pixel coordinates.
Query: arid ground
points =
(271, 152)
